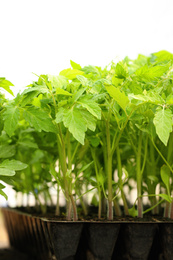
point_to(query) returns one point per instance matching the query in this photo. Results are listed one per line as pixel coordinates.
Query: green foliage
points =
(163, 123)
(11, 118)
(92, 128)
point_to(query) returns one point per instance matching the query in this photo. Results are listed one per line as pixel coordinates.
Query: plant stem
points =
(171, 214)
(139, 176)
(85, 211)
(57, 211)
(117, 208)
(109, 171)
(62, 159)
(75, 218)
(97, 178)
(120, 173)
(151, 170)
(166, 211)
(70, 168)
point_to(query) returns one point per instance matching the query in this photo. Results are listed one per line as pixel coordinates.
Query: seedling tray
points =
(50, 239)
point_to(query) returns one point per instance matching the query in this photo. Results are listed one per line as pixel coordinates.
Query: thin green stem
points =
(161, 155)
(139, 175)
(120, 174)
(109, 170)
(97, 177)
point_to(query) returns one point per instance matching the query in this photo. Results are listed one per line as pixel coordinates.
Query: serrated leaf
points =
(60, 91)
(163, 56)
(165, 176)
(119, 96)
(75, 65)
(169, 100)
(59, 115)
(150, 73)
(39, 88)
(71, 73)
(144, 98)
(90, 69)
(58, 81)
(91, 106)
(13, 165)
(7, 151)
(28, 98)
(39, 119)
(121, 70)
(11, 118)
(90, 120)
(84, 81)
(5, 84)
(2, 193)
(77, 94)
(28, 143)
(163, 124)
(74, 121)
(6, 172)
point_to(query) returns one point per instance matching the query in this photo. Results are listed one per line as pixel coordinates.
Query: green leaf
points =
(11, 118)
(84, 81)
(7, 151)
(75, 65)
(39, 88)
(39, 119)
(6, 172)
(59, 115)
(28, 98)
(91, 106)
(119, 96)
(85, 167)
(90, 69)
(77, 94)
(163, 124)
(165, 197)
(5, 84)
(13, 165)
(90, 120)
(28, 143)
(121, 70)
(150, 73)
(153, 178)
(133, 212)
(94, 201)
(163, 56)
(1, 186)
(101, 178)
(94, 140)
(3, 194)
(169, 100)
(145, 98)
(60, 91)
(74, 121)
(165, 175)
(71, 73)
(58, 81)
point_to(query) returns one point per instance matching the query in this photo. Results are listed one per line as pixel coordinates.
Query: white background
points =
(42, 36)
